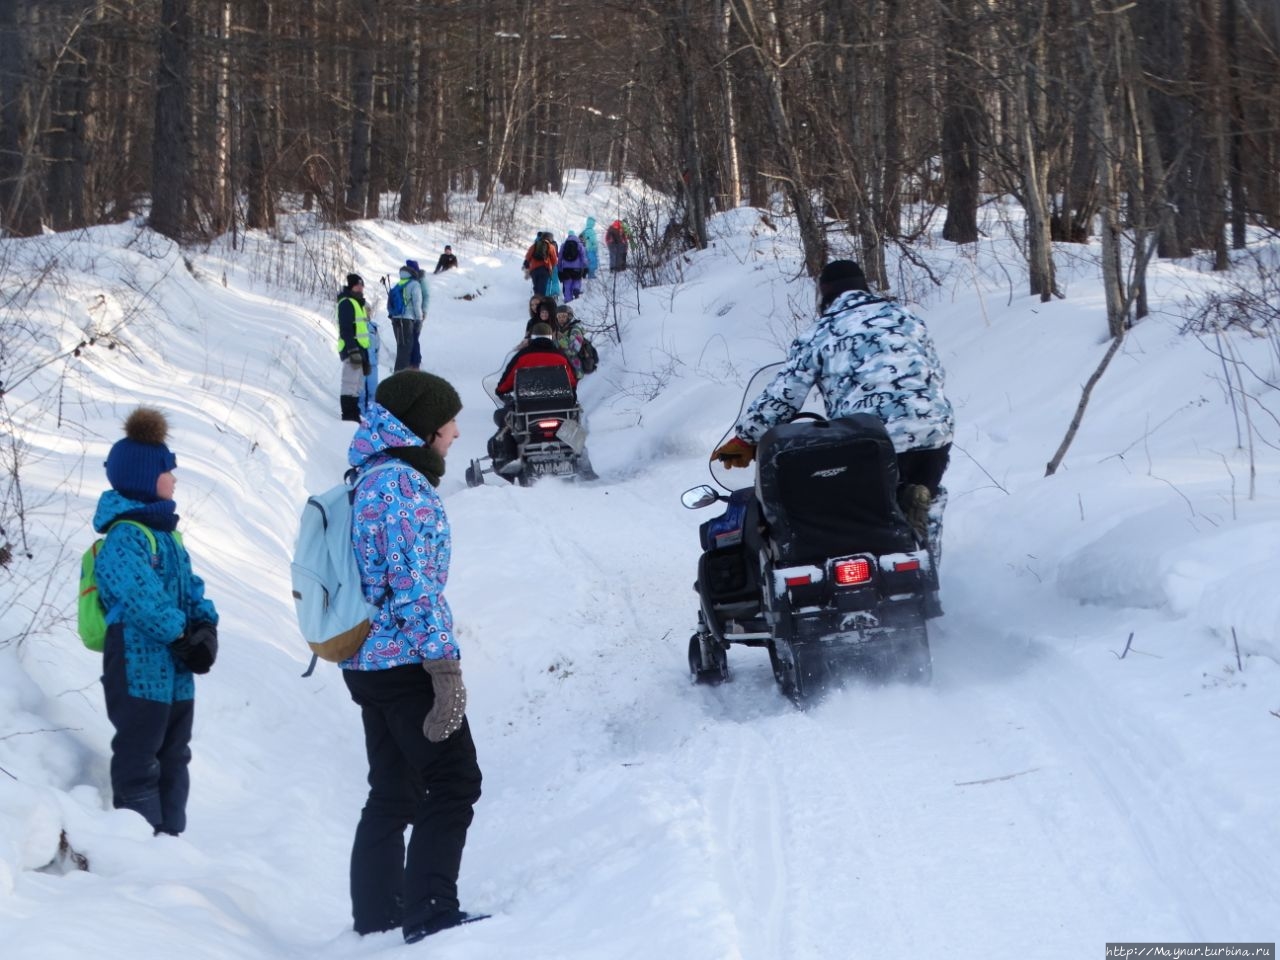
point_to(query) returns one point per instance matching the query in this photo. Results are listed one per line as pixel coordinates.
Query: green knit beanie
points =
(421, 401)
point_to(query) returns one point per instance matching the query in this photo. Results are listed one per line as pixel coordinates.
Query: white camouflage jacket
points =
(866, 355)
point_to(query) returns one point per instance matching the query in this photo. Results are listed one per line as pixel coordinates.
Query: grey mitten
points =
(450, 708)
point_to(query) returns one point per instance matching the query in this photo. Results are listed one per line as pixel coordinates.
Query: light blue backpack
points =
(333, 615)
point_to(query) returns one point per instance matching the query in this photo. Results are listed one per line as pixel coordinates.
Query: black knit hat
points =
(421, 401)
(354, 280)
(839, 276)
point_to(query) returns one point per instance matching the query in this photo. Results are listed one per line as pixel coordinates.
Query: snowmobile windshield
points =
(738, 478)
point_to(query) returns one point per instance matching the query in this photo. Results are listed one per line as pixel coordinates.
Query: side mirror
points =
(697, 497)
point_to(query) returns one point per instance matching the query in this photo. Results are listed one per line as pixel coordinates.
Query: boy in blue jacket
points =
(160, 627)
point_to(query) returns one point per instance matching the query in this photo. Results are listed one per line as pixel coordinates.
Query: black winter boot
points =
(350, 408)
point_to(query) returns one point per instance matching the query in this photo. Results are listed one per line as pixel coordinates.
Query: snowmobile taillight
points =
(901, 565)
(849, 573)
(543, 430)
(801, 581)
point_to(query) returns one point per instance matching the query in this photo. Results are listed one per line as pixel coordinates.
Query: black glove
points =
(197, 649)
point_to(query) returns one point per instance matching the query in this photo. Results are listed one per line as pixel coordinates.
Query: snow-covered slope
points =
(1046, 794)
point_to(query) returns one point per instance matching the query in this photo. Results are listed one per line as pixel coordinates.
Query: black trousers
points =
(151, 750)
(924, 467)
(431, 787)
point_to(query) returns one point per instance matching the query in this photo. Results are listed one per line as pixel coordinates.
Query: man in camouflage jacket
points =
(865, 354)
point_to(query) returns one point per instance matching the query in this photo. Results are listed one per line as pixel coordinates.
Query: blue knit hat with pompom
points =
(136, 462)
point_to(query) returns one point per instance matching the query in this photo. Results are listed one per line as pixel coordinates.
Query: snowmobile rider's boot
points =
(915, 500)
(350, 407)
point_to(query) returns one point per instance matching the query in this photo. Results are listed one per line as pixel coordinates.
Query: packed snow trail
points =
(1042, 795)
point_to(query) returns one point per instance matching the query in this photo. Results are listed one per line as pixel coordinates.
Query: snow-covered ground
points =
(1045, 795)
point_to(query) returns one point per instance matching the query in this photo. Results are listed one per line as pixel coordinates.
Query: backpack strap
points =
(150, 535)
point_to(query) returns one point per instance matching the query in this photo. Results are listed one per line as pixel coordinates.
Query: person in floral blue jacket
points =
(407, 676)
(160, 626)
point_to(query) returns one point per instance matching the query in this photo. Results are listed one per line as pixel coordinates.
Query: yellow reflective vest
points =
(361, 323)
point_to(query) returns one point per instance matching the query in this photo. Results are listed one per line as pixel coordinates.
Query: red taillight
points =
(801, 581)
(848, 573)
(906, 565)
(549, 425)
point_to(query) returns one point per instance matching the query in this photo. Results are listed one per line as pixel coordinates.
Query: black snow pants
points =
(431, 787)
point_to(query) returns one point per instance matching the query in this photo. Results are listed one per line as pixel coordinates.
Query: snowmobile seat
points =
(542, 389)
(828, 488)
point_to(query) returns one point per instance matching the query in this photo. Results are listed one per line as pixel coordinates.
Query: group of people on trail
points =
(408, 298)
(558, 270)
(864, 353)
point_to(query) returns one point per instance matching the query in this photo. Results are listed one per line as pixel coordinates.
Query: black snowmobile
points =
(815, 562)
(541, 433)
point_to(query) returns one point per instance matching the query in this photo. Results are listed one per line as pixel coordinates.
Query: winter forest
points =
(1157, 116)
(1080, 201)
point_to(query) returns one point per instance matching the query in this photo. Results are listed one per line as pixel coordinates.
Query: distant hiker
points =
(407, 677)
(553, 281)
(617, 238)
(369, 385)
(572, 267)
(447, 260)
(353, 345)
(161, 629)
(570, 337)
(415, 357)
(405, 308)
(544, 312)
(539, 260)
(592, 246)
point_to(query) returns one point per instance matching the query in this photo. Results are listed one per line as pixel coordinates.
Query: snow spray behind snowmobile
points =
(815, 561)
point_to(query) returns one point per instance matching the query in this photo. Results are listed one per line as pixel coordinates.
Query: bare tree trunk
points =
(731, 181)
(171, 143)
(359, 173)
(69, 120)
(220, 188)
(439, 208)
(1030, 113)
(961, 115)
(260, 137)
(408, 123)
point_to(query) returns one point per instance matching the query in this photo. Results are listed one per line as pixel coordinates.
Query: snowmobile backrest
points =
(543, 388)
(829, 488)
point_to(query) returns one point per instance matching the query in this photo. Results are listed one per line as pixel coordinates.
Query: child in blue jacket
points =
(160, 627)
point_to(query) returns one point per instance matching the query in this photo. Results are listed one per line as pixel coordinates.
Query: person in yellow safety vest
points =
(353, 345)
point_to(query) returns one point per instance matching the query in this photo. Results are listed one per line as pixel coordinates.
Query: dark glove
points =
(450, 708)
(353, 353)
(736, 453)
(364, 362)
(197, 649)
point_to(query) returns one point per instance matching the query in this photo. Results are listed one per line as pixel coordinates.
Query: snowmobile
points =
(815, 562)
(541, 434)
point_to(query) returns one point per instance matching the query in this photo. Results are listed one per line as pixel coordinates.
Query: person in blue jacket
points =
(407, 676)
(161, 629)
(592, 246)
